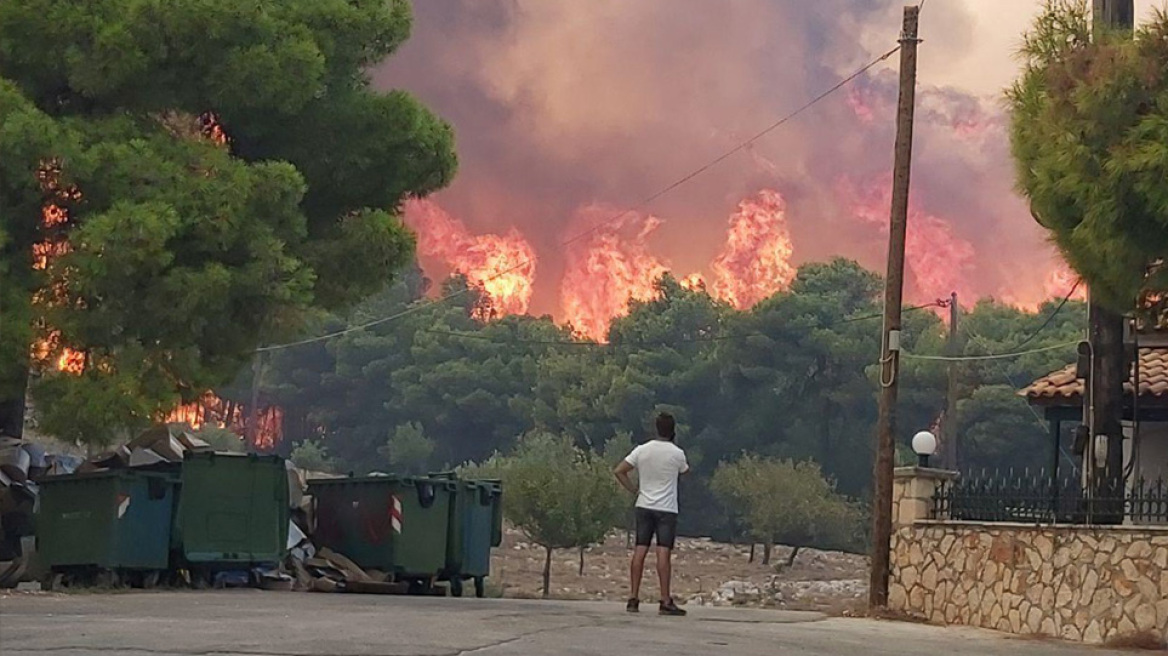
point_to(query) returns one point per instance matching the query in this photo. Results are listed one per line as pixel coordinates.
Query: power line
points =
(1037, 418)
(1054, 314)
(996, 356)
(651, 198)
(643, 343)
(1016, 353)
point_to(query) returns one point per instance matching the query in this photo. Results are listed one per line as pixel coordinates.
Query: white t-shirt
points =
(658, 464)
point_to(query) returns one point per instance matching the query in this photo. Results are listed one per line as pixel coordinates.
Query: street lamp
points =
(924, 444)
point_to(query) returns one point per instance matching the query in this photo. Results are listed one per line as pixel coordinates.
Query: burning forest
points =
(545, 221)
(584, 154)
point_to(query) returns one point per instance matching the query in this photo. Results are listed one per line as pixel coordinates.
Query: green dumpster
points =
(112, 523)
(394, 524)
(475, 526)
(496, 512)
(232, 510)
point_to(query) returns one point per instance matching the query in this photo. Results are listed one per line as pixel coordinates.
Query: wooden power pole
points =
(949, 439)
(1108, 357)
(893, 299)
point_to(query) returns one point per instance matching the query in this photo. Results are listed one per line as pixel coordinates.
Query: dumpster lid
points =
(213, 455)
(382, 479)
(104, 473)
(348, 480)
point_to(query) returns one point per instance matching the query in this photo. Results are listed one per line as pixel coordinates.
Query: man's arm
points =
(622, 472)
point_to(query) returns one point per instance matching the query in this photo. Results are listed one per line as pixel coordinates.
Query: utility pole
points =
(893, 299)
(949, 437)
(1108, 356)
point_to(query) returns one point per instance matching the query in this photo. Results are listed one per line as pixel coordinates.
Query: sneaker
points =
(634, 606)
(670, 609)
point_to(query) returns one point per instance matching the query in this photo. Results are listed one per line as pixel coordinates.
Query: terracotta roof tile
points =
(1063, 385)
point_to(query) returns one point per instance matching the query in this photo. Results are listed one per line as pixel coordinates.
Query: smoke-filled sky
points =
(564, 107)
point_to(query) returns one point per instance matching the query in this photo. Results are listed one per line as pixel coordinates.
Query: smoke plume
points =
(564, 107)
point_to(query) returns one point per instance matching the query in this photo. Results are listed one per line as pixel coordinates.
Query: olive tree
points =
(786, 502)
(560, 496)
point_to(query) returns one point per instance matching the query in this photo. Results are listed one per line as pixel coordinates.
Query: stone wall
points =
(1086, 584)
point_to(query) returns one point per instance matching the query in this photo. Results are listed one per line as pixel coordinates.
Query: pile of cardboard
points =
(322, 569)
(164, 443)
(329, 571)
(21, 464)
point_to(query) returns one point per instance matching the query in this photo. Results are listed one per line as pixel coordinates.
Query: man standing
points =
(658, 464)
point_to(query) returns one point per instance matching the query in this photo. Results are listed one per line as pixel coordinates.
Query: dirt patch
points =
(704, 572)
(1147, 641)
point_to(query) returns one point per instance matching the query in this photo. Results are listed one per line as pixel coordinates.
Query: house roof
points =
(1064, 388)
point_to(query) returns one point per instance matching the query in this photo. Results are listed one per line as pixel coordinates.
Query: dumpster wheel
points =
(110, 579)
(151, 579)
(145, 579)
(480, 583)
(53, 581)
(421, 587)
(456, 586)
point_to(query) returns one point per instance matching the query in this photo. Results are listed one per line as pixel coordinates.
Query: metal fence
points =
(1033, 498)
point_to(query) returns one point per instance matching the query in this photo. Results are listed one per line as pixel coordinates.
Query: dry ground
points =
(826, 581)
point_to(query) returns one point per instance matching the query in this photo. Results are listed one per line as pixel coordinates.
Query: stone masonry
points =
(1088, 584)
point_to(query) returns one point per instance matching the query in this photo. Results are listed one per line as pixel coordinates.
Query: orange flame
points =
(53, 215)
(503, 265)
(1061, 280)
(939, 261)
(608, 268)
(756, 260)
(71, 361)
(693, 282)
(215, 411)
(45, 251)
(213, 129)
(48, 351)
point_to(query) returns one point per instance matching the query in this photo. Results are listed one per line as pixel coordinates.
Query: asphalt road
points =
(291, 624)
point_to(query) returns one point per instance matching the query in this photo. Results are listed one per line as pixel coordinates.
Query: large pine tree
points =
(1090, 137)
(181, 180)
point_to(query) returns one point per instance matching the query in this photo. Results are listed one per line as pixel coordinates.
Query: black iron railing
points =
(1036, 499)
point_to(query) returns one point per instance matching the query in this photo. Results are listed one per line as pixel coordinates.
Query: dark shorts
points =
(654, 523)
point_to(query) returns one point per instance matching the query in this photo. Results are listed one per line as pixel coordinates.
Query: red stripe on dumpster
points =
(123, 505)
(395, 515)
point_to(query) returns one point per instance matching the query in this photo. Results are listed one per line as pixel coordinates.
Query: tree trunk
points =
(1108, 374)
(766, 552)
(581, 562)
(547, 573)
(791, 557)
(752, 546)
(12, 393)
(827, 453)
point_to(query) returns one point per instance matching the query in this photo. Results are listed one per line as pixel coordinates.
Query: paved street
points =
(292, 624)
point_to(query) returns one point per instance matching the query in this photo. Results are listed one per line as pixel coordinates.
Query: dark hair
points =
(666, 426)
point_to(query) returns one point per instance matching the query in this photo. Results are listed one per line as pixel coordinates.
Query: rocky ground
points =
(705, 573)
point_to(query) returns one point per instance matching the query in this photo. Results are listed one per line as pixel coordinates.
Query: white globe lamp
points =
(924, 444)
